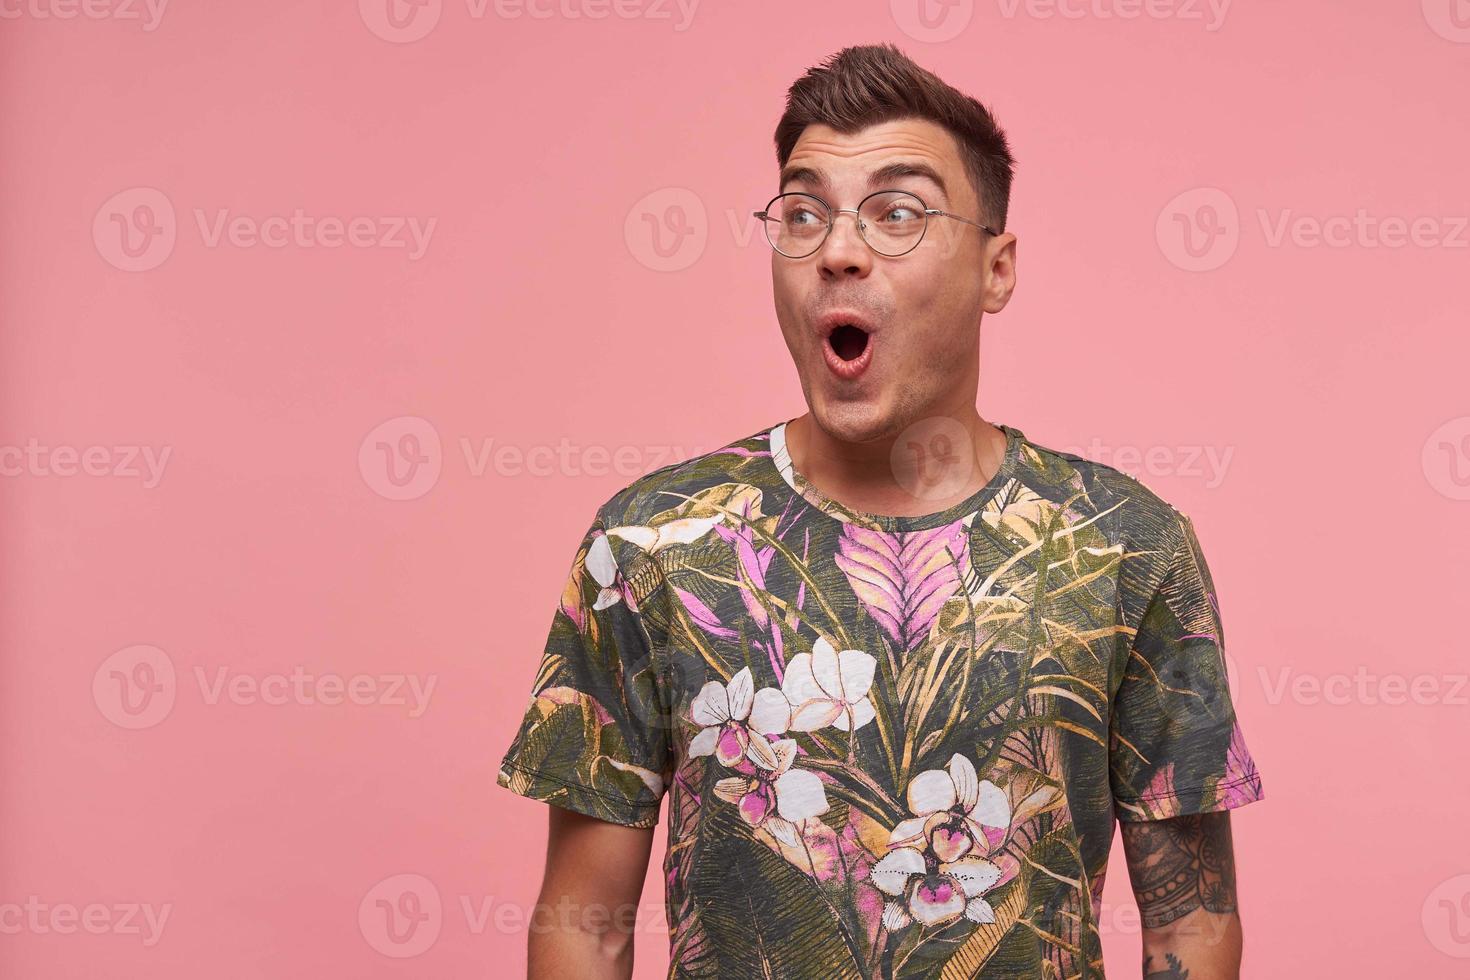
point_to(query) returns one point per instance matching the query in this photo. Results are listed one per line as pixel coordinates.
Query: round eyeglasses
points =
(891, 222)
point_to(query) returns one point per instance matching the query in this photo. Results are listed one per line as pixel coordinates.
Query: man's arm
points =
(1183, 874)
(588, 907)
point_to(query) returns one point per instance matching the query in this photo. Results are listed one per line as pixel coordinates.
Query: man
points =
(898, 668)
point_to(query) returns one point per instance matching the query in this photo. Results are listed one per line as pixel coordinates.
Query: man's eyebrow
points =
(877, 180)
(886, 175)
(807, 175)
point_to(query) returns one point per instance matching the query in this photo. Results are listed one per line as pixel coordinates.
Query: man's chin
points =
(853, 419)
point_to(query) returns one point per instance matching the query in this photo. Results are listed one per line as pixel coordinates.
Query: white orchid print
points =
(922, 888)
(828, 687)
(937, 870)
(603, 567)
(955, 812)
(732, 714)
(774, 795)
(655, 538)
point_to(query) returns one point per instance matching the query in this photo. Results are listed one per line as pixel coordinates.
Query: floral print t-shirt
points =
(892, 746)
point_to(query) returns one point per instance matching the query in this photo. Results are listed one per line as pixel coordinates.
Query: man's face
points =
(917, 351)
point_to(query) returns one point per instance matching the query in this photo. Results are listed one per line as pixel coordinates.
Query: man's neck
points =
(924, 468)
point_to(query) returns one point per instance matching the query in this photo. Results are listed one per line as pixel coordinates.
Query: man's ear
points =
(1000, 283)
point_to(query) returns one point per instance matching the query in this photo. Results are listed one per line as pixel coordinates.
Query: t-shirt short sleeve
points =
(1175, 745)
(593, 738)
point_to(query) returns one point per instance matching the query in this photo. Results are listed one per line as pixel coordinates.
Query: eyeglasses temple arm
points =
(960, 217)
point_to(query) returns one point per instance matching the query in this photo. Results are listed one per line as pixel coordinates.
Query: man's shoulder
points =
(1090, 490)
(743, 461)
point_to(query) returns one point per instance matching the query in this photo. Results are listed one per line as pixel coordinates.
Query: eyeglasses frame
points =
(832, 213)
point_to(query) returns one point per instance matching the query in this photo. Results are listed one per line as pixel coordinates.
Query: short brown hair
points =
(870, 84)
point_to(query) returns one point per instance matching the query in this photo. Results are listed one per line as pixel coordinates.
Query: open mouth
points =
(848, 341)
(848, 347)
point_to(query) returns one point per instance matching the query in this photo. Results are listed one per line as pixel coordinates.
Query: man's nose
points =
(844, 252)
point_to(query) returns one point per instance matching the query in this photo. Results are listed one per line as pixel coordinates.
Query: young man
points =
(898, 668)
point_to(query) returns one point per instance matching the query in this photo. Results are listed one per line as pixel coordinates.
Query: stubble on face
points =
(926, 305)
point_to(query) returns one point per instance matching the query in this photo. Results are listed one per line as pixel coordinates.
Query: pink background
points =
(552, 359)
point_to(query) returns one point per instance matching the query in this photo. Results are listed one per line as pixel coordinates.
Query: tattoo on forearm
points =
(1171, 971)
(1179, 865)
